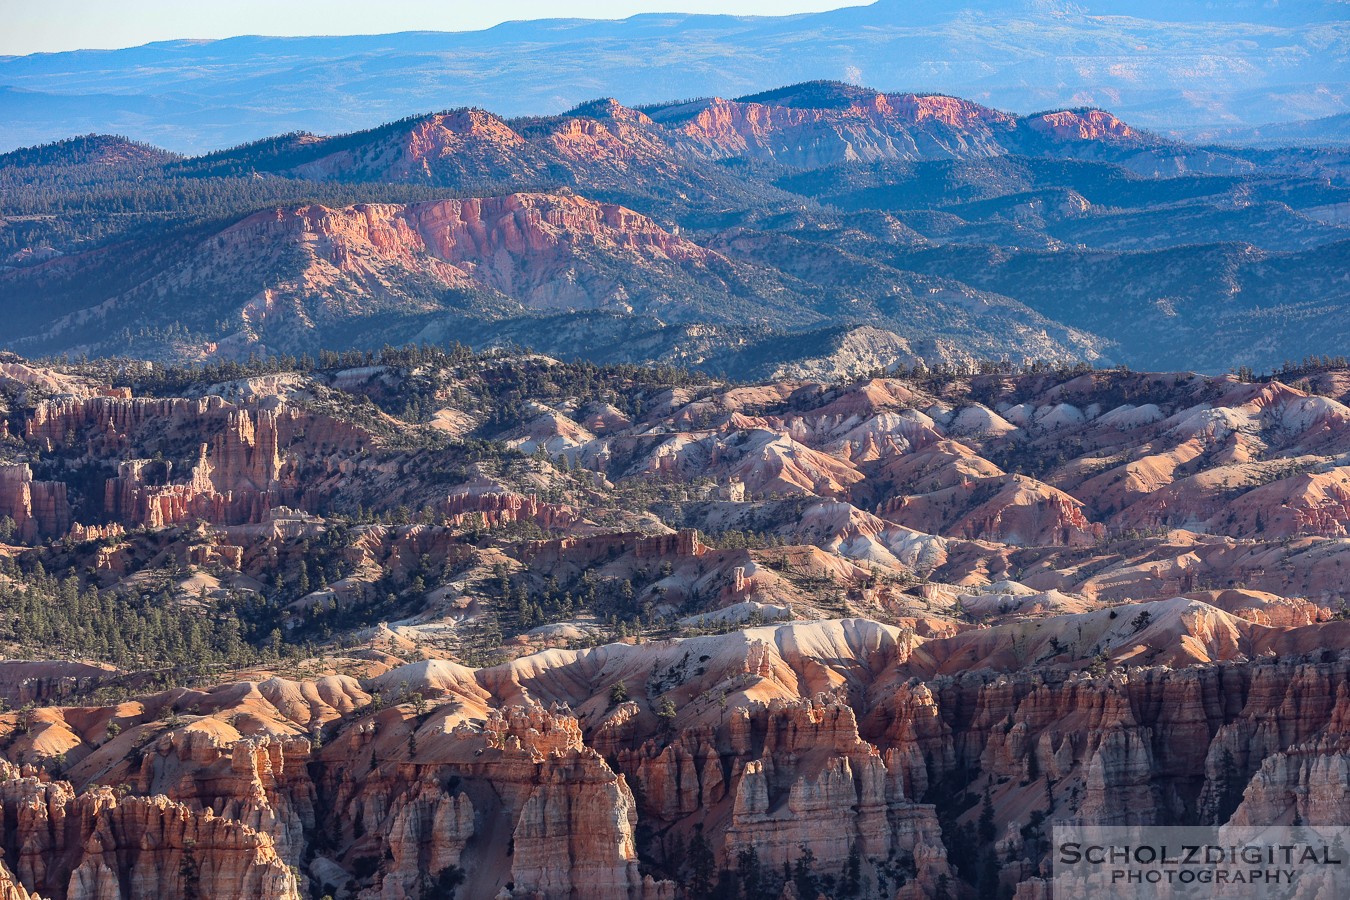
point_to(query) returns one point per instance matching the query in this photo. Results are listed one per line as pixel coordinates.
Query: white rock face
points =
(979, 421)
(1061, 415)
(1130, 416)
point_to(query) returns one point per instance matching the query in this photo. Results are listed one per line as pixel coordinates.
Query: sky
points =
(51, 25)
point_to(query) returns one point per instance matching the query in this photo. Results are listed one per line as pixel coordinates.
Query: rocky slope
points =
(603, 146)
(559, 272)
(518, 253)
(433, 624)
(532, 780)
(817, 125)
(821, 227)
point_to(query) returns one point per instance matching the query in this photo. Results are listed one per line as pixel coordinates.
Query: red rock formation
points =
(1306, 785)
(839, 734)
(684, 543)
(574, 835)
(513, 243)
(401, 550)
(569, 818)
(414, 795)
(852, 801)
(496, 508)
(98, 846)
(112, 420)
(427, 835)
(241, 472)
(259, 782)
(870, 126)
(10, 889)
(1011, 509)
(24, 682)
(38, 508)
(1081, 125)
(415, 153)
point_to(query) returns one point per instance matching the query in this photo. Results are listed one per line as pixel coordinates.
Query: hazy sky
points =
(31, 26)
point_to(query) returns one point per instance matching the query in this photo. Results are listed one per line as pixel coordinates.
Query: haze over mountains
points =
(797, 491)
(871, 228)
(1191, 66)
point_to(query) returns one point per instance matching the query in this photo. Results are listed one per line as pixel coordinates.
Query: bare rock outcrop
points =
(99, 846)
(38, 509)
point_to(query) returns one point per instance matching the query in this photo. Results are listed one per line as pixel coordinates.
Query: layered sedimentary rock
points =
(99, 845)
(113, 420)
(496, 508)
(38, 509)
(946, 629)
(568, 817)
(872, 127)
(428, 832)
(1012, 510)
(513, 244)
(855, 803)
(10, 889)
(243, 464)
(824, 737)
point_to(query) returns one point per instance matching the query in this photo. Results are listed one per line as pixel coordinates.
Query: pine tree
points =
(1228, 788)
(803, 874)
(986, 826)
(988, 886)
(749, 873)
(851, 885)
(190, 871)
(701, 865)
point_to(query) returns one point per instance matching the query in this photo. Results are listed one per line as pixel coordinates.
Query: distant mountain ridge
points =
(819, 227)
(1326, 131)
(1173, 67)
(804, 126)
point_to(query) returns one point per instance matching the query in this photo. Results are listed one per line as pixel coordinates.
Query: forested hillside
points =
(819, 228)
